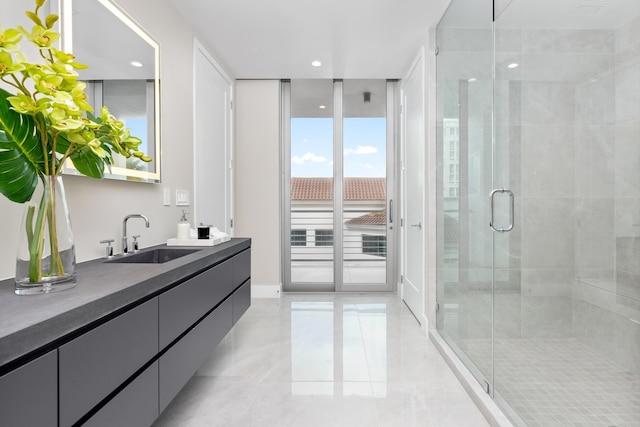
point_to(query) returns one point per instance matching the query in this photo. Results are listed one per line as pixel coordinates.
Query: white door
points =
(212, 128)
(413, 173)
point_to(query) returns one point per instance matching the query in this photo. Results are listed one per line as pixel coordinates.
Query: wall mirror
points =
(123, 74)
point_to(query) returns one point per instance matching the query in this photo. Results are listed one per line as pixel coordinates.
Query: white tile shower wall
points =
(567, 182)
(627, 204)
(606, 301)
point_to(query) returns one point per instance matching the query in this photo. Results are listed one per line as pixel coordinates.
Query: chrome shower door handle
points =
(511, 210)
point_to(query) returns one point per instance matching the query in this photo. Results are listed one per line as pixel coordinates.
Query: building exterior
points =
(364, 218)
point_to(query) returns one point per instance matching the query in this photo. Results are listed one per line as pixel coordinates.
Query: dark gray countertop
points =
(29, 322)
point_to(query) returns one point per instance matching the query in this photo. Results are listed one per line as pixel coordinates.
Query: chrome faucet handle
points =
(135, 242)
(125, 246)
(108, 248)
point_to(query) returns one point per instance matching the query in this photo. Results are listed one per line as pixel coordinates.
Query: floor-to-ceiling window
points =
(338, 185)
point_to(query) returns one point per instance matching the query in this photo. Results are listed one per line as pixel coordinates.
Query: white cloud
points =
(309, 157)
(362, 149)
(367, 166)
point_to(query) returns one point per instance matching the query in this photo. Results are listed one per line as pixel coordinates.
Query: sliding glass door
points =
(338, 184)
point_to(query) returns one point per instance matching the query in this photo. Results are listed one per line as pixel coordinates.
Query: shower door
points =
(465, 159)
(539, 240)
(567, 143)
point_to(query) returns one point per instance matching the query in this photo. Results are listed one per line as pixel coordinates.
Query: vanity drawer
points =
(241, 300)
(184, 358)
(241, 267)
(29, 395)
(96, 363)
(135, 405)
(185, 304)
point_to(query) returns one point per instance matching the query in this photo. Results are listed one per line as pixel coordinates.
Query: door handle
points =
(390, 211)
(511, 210)
(418, 225)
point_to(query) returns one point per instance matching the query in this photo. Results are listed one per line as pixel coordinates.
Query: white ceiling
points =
(266, 39)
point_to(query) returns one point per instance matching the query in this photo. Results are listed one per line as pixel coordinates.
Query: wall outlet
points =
(182, 197)
(166, 196)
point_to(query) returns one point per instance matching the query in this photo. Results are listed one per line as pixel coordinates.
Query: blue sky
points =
(364, 147)
(139, 129)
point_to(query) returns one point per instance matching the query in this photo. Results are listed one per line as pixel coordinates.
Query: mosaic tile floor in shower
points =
(560, 382)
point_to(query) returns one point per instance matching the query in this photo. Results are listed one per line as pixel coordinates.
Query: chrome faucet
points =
(125, 248)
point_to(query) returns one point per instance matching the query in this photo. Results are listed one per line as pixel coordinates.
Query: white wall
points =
(257, 179)
(97, 207)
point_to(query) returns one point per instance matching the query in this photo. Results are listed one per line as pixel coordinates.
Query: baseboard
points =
(266, 291)
(489, 409)
(424, 325)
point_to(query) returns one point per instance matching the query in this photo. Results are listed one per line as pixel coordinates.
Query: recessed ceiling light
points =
(316, 63)
(472, 79)
(136, 64)
(322, 107)
(512, 65)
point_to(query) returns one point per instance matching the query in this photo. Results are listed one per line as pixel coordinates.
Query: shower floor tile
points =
(560, 382)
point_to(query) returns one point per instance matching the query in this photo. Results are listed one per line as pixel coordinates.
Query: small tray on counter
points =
(198, 242)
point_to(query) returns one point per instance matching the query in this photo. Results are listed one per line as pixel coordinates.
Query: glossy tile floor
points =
(324, 360)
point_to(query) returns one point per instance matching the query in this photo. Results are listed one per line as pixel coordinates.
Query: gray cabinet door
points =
(136, 405)
(241, 300)
(29, 395)
(185, 304)
(241, 267)
(96, 363)
(182, 360)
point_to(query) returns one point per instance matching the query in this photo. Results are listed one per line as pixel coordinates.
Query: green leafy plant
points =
(44, 123)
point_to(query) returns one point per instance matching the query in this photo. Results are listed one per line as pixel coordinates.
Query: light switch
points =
(182, 197)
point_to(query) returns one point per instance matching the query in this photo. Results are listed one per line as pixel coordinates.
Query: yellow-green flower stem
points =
(40, 124)
(36, 233)
(36, 243)
(55, 267)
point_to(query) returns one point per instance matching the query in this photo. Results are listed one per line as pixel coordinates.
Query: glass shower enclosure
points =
(538, 151)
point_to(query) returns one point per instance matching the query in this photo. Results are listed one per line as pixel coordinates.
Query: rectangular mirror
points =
(123, 74)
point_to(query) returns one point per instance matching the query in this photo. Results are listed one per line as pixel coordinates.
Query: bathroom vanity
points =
(117, 348)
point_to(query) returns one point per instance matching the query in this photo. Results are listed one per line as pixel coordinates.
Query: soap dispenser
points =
(184, 228)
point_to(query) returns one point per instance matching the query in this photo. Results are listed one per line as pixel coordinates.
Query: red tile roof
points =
(354, 188)
(373, 218)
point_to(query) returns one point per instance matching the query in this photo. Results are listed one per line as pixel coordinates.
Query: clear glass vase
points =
(46, 259)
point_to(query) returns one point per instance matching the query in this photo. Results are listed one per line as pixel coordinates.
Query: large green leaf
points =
(21, 156)
(88, 163)
(84, 160)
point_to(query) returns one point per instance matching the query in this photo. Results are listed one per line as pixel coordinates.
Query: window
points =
(374, 245)
(454, 173)
(298, 237)
(453, 150)
(324, 237)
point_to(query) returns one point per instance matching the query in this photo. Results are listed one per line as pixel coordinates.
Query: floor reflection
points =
(320, 360)
(335, 347)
